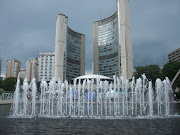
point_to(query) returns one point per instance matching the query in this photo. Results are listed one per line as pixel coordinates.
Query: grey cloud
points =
(30, 25)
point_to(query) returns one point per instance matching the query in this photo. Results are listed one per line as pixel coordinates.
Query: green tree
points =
(170, 69)
(152, 72)
(1, 83)
(9, 84)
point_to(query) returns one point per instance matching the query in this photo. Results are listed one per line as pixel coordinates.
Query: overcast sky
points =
(29, 25)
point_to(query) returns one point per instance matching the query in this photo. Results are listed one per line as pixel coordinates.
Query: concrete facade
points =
(123, 9)
(112, 43)
(32, 69)
(174, 55)
(46, 66)
(59, 46)
(13, 68)
(69, 51)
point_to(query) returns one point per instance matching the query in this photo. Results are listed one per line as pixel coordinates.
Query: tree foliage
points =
(170, 69)
(9, 84)
(152, 72)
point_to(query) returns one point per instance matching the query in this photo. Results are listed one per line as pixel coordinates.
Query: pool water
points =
(50, 126)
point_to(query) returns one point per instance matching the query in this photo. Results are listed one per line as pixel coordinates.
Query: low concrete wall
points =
(2, 102)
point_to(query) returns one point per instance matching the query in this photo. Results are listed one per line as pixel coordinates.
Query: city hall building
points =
(112, 43)
(69, 51)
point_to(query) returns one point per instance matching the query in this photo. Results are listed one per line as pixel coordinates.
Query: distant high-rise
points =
(174, 55)
(112, 43)
(22, 74)
(32, 69)
(13, 68)
(46, 66)
(69, 51)
(0, 64)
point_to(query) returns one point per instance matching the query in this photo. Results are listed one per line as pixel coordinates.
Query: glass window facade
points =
(73, 65)
(108, 46)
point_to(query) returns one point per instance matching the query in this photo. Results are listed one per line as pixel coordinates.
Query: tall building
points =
(46, 66)
(13, 68)
(32, 69)
(174, 55)
(0, 64)
(69, 51)
(112, 43)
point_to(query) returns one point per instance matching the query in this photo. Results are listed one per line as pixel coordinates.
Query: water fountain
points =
(93, 98)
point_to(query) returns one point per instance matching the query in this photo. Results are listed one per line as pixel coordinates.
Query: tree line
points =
(152, 72)
(9, 84)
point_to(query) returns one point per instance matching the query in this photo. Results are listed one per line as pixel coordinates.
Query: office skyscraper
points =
(69, 51)
(112, 43)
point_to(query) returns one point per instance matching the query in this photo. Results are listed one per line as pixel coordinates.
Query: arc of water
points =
(53, 95)
(136, 95)
(142, 97)
(59, 96)
(41, 97)
(92, 86)
(126, 94)
(143, 92)
(74, 97)
(123, 91)
(25, 101)
(110, 89)
(102, 96)
(97, 95)
(132, 95)
(150, 99)
(105, 91)
(84, 83)
(79, 88)
(70, 104)
(167, 93)
(114, 77)
(16, 97)
(66, 96)
(118, 90)
(88, 90)
(158, 93)
(34, 89)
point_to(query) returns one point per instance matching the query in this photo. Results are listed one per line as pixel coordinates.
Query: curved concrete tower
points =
(123, 12)
(59, 47)
(112, 43)
(69, 51)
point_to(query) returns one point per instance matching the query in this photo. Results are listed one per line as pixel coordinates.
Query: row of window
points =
(174, 52)
(107, 30)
